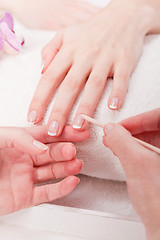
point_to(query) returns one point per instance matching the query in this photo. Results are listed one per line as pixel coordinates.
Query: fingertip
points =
(107, 128)
(78, 122)
(69, 184)
(72, 180)
(75, 166)
(68, 151)
(114, 103)
(40, 146)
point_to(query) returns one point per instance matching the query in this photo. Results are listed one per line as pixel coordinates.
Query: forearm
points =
(151, 11)
(5, 4)
(145, 14)
(11, 5)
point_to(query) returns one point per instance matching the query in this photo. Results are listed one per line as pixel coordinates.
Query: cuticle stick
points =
(147, 145)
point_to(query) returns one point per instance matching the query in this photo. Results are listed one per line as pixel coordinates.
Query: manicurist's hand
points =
(50, 14)
(142, 166)
(84, 56)
(29, 156)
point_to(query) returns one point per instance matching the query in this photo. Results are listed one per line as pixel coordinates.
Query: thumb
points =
(20, 139)
(125, 147)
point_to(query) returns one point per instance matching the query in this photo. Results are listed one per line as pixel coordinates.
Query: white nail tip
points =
(52, 134)
(76, 127)
(40, 145)
(113, 107)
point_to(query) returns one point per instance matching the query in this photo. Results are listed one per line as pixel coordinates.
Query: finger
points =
(48, 193)
(148, 121)
(56, 152)
(92, 94)
(89, 7)
(152, 137)
(120, 85)
(55, 73)
(21, 140)
(51, 50)
(126, 148)
(67, 94)
(57, 170)
(68, 135)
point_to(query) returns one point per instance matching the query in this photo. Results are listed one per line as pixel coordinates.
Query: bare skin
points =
(22, 166)
(85, 55)
(50, 14)
(141, 165)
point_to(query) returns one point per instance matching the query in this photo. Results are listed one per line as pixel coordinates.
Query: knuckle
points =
(123, 75)
(38, 103)
(71, 84)
(85, 108)
(120, 91)
(125, 53)
(52, 172)
(47, 194)
(115, 139)
(59, 113)
(98, 81)
(95, 50)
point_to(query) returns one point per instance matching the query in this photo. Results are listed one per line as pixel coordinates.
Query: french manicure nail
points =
(32, 117)
(108, 128)
(78, 122)
(53, 128)
(114, 103)
(40, 145)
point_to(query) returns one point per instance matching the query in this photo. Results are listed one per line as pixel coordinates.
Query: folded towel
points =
(99, 195)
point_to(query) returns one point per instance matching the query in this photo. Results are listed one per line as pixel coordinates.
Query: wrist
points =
(143, 14)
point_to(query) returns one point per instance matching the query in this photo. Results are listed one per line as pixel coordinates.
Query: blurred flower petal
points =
(8, 19)
(10, 37)
(9, 49)
(1, 43)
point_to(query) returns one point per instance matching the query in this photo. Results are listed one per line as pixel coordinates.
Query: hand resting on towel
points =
(85, 55)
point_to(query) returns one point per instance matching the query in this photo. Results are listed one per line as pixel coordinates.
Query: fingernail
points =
(32, 117)
(78, 181)
(40, 145)
(114, 103)
(108, 128)
(53, 128)
(74, 165)
(78, 122)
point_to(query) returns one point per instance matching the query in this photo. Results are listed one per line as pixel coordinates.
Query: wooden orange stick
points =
(147, 145)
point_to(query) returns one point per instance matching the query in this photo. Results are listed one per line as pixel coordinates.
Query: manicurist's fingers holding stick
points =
(141, 165)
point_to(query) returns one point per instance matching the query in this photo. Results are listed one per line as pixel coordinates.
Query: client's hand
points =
(25, 161)
(85, 55)
(50, 14)
(141, 165)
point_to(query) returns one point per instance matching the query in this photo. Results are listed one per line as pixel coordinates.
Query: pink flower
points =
(9, 41)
